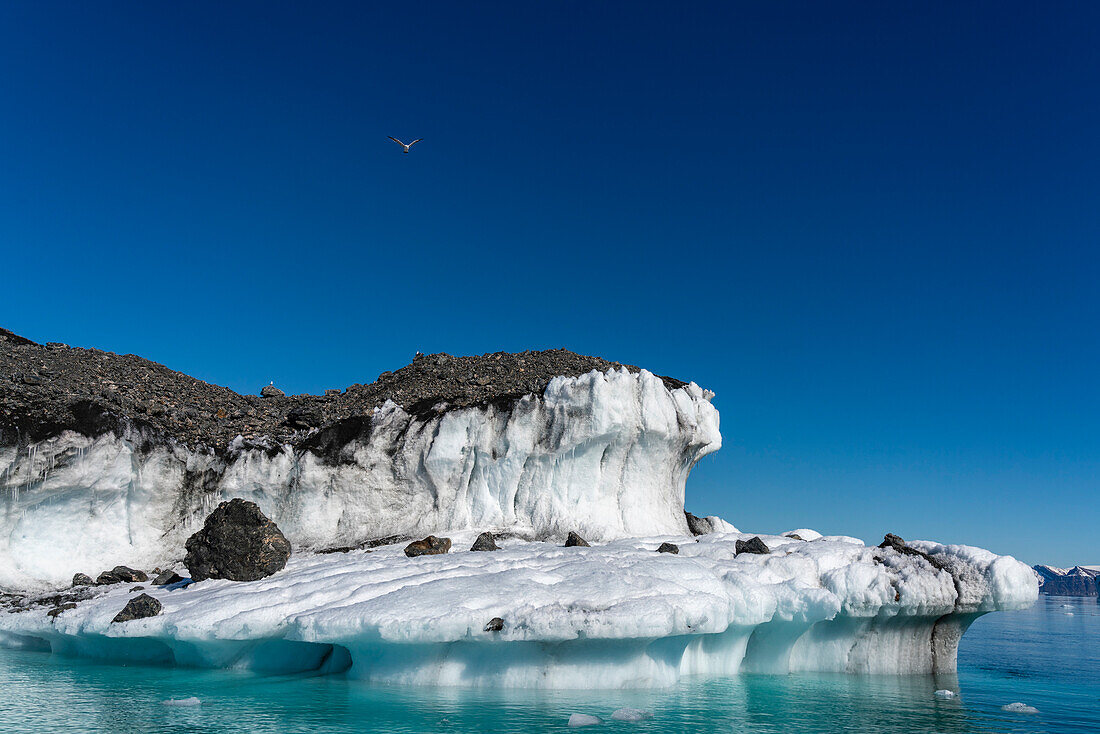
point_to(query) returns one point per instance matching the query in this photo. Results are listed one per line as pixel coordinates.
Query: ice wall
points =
(606, 454)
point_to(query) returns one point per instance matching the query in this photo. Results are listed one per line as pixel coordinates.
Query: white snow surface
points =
(615, 615)
(604, 454)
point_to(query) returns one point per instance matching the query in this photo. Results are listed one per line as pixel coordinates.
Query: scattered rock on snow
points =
(698, 525)
(139, 607)
(753, 545)
(430, 546)
(167, 577)
(128, 574)
(496, 624)
(59, 609)
(898, 544)
(574, 540)
(82, 579)
(485, 542)
(668, 548)
(237, 542)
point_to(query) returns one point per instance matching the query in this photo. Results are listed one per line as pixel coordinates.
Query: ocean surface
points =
(1047, 657)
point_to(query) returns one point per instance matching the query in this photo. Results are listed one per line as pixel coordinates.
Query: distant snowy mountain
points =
(1076, 581)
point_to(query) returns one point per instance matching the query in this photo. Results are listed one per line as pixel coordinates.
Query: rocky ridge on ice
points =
(46, 390)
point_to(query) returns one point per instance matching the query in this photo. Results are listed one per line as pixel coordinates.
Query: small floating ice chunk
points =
(1067, 606)
(584, 720)
(1019, 708)
(631, 715)
(944, 694)
(1069, 614)
(182, 702)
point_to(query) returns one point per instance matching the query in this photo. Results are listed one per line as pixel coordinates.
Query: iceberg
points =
(109, 460)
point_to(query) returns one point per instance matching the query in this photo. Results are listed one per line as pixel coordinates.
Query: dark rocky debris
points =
(139, 607)
(118, 575)
(430, 546)
(45, 390)
(896, 543)
(668, 548)
(485, 542)
(59, 609)
(752, 545)
(167, 577)
(82, 579)
(496, 624)
(794, 536)
(237, 542)
(698, 525)
(573, 540)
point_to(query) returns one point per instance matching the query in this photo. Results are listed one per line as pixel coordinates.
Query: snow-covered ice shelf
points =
(613, 615)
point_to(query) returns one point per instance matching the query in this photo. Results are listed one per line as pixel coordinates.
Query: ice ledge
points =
(617, 615)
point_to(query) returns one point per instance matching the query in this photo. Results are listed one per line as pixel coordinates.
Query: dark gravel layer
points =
(47, 389)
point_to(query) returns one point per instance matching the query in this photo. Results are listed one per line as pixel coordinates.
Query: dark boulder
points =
(753, 545)
(496, 624)
(485, 542)
(82, 579)
(897, 543)
(129, 575)
(698, 525)
(237, 542)
(430, 546)
(167, 577)
(107, 578)
(137, 588)
(794, 536)
(270, 391)
(574, 540)
(59, 609)
(139, 607)
(668, 548)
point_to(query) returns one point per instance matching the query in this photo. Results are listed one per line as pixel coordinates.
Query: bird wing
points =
(415, 142)
(396, 140)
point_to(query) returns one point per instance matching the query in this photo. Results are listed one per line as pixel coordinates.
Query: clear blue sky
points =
(871, 229)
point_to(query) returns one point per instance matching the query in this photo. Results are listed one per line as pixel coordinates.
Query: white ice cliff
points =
(610, 616)
(604, 454)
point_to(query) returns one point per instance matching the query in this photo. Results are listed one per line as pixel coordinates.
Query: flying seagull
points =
(406, 147)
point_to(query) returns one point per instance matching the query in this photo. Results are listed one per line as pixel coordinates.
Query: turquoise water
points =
(1042, 657)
